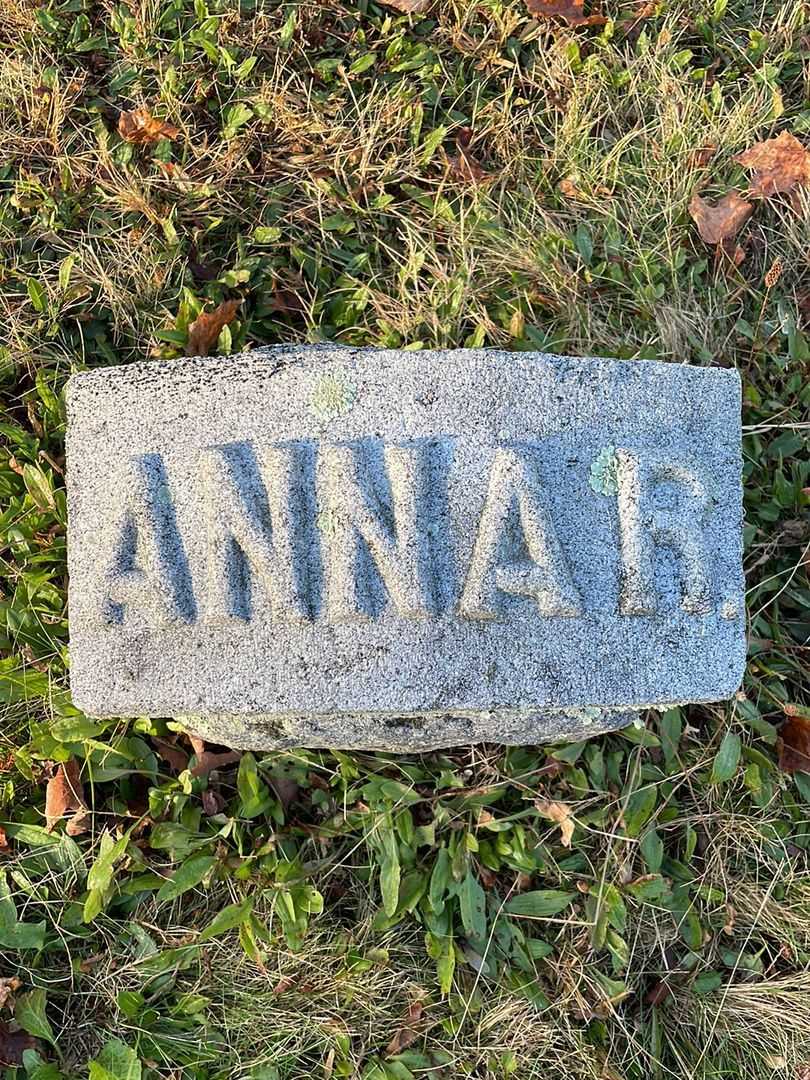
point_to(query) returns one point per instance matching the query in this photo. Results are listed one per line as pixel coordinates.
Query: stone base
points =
(406, 733)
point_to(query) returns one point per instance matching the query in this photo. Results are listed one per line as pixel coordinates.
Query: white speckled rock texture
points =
(326, 546)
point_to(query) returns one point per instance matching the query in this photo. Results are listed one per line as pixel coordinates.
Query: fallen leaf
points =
(465, 168)
(571, 12)
(207, 761)
(286, 790)
(658, 994)
(732, 251)
(728, 927)
(568, 187)
(7, 764)
(204, 331)
(703, 155)
(719, 223)
(779, 165)
(794, 745)
(89, 962)
(408, 7)
(212, 802)
(488, 877)
(560, 813)
(13, 1045)
(139, 126)
(286, 301)
(64, 794)
(407, 1034)
(174, 756)
(317, 781)
(8, 988)
(630, 26)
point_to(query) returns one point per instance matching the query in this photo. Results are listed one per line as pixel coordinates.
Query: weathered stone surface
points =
(337, 547)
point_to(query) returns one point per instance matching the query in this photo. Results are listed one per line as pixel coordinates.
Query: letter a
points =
(147, 582)
(544, 575)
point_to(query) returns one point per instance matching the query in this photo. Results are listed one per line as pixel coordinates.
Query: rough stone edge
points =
(288, 354)
(404, 733)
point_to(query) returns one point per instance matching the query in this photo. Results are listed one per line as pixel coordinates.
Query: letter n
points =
(363, 524)
(251, 520)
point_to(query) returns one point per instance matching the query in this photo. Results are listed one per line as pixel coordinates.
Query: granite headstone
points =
(326, 546)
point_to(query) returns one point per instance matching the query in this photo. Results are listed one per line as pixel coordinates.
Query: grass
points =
(325, 901)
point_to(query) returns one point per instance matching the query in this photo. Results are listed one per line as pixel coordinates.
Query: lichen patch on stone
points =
(604, 477)
(333, 395)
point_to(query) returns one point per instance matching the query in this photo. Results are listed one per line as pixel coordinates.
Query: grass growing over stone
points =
(466, 177)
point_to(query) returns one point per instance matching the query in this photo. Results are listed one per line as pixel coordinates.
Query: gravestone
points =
(321, 546)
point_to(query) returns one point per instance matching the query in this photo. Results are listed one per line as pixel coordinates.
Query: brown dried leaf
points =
(13, 1045)
(212, 802)
(571, 12)
(207, 761)
(408, 7)
(286, 301)
(8, 988)
(174, 756)
(140, 127)
(703, 155)
(568, 188)
(794, 745)
(89, 962)
(560, 813)
(719, 223)
(658, 993)
(779, 165)
(79, 823)
(286, 790)
(63, 795)
(407, 1034)
(730, 250)
(487, 877)
(464, 167)
(204, 331)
